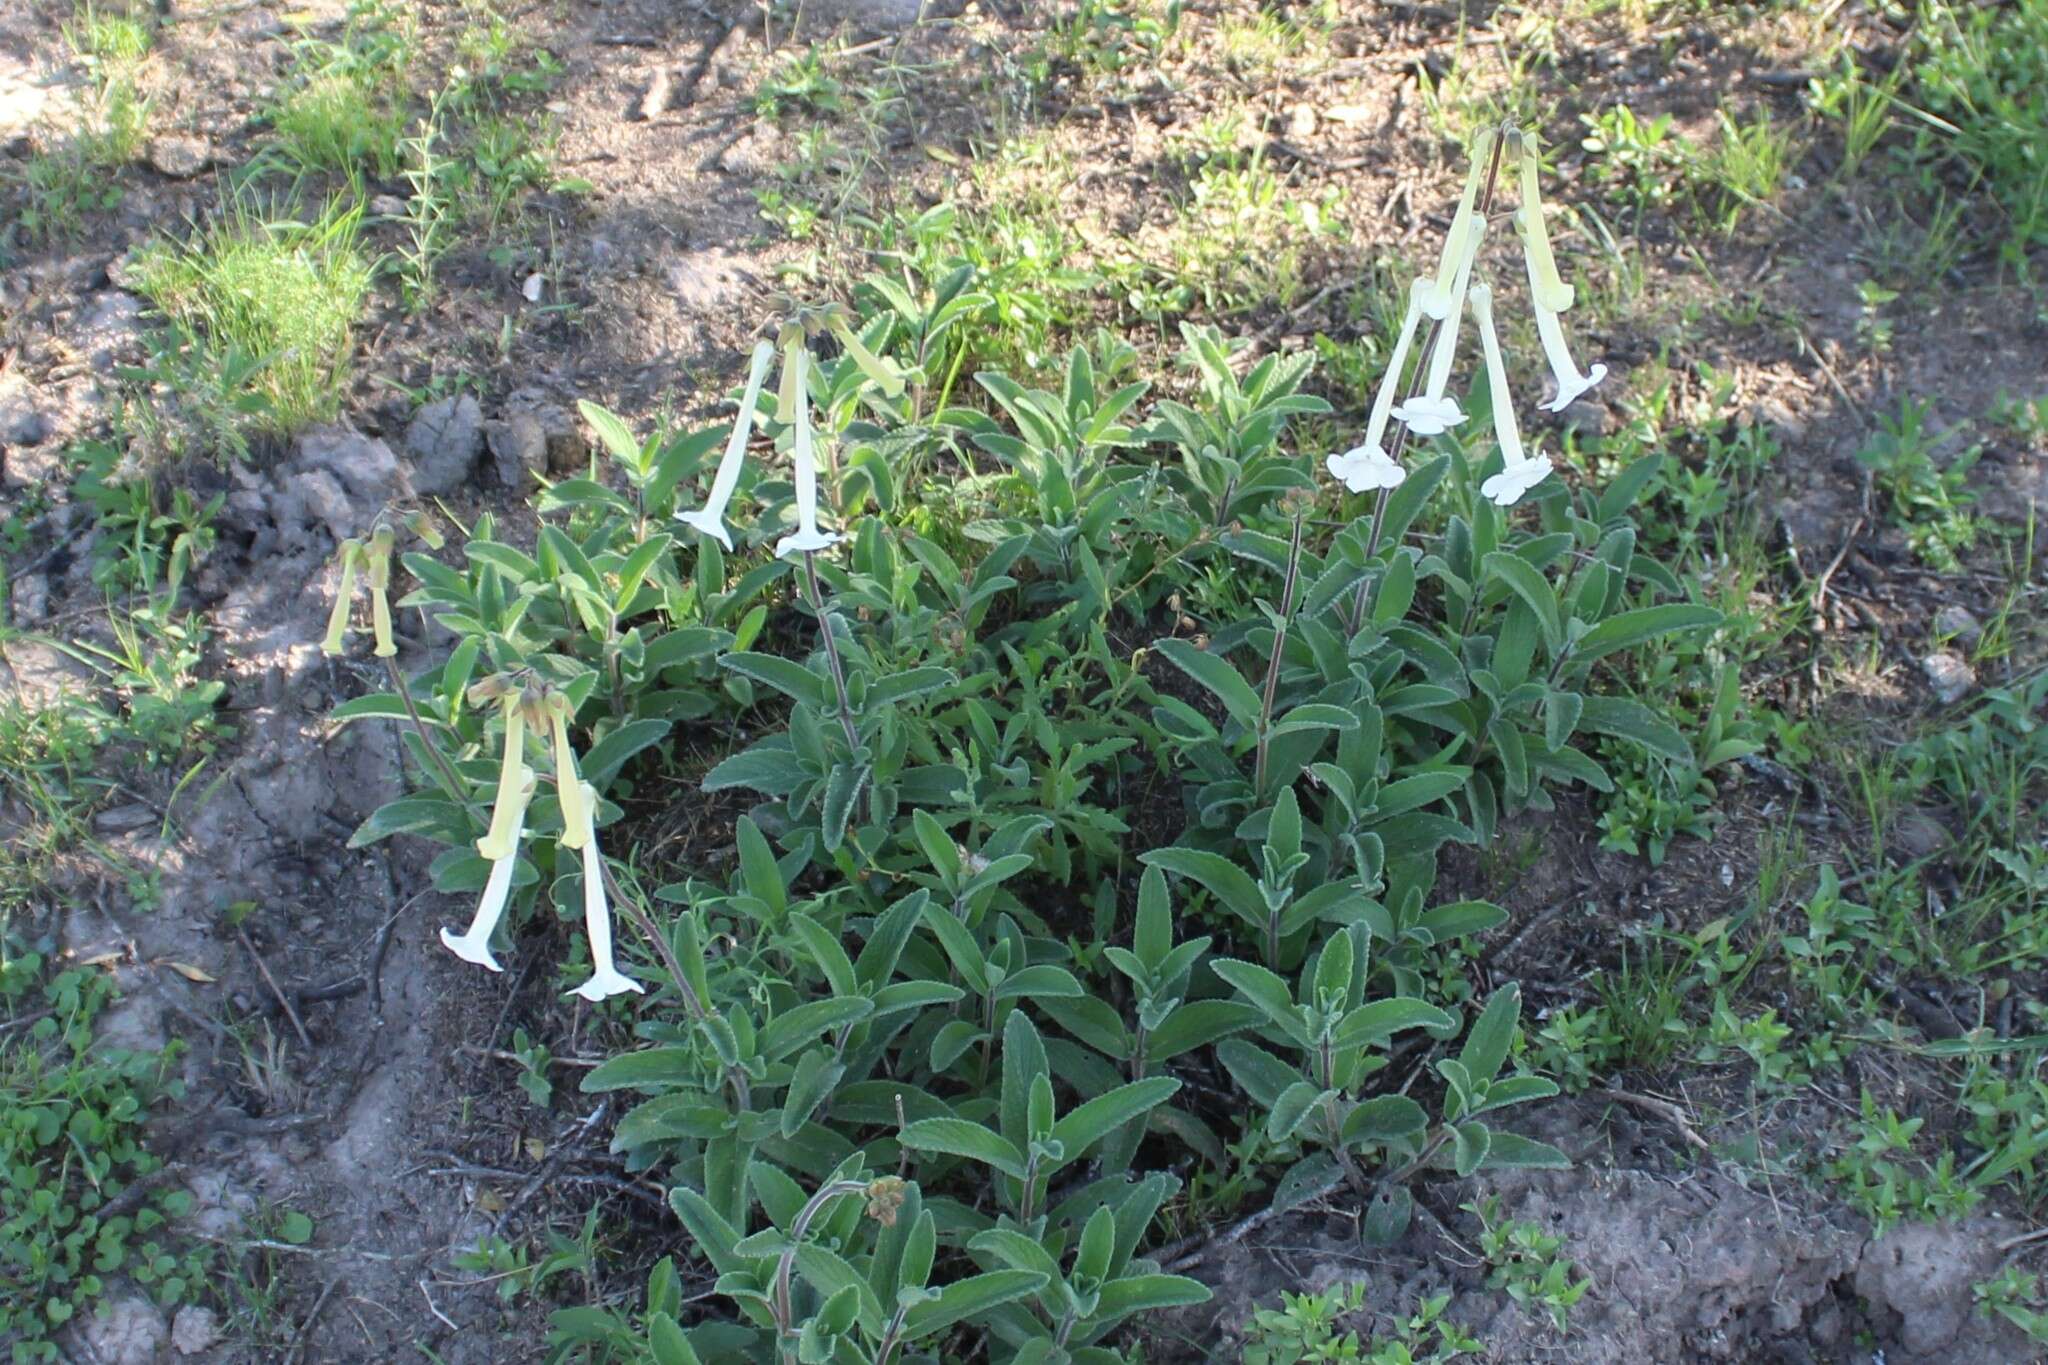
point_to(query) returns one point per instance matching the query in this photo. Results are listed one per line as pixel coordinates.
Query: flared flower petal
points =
(606, 979)
(710, 518)
(1508, 487)
(1368, 466)
(1570, 382)
(1365, 468)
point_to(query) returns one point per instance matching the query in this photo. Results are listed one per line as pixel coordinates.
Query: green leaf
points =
(900, 687)
(653, 1068)
(1631, 720)
(959, 1137)
(1512, 1150)
(1224, 879)
(969, 1298)
(1218, 675)
(1145, 1293)
(602, 761)
(1486, 1044)
(1089, 1123)
(1264, 989)
(610, 430)
(1379, 1020)
(1626, 629)
(792, 1029)
(1532, 588)
(786, 676)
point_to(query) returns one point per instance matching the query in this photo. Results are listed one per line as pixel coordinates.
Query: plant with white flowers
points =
(1443, 298)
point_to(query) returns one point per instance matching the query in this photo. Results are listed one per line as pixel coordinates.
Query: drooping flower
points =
(883, 373)
(509, 812)
(1443, 299)
(1436, 411)
(568, 783)
(794, 402)
(1520, 471)
(1368, 466)
(378, 560)
(474, 944)
(710, 518)
(605, 977)
(1570, 382)
(337, 620)
(1548, 292)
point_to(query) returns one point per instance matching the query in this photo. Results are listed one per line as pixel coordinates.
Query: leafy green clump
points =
(77, 1203)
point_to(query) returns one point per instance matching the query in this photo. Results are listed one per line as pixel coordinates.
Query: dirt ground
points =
(381, 1101)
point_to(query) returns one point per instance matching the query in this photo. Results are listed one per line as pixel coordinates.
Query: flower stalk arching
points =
(779, 1299)
(816, 596)
(1272, 687)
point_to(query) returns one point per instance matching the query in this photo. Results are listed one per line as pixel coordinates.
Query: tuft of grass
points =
(334, 122)
(1980, 70)
(278, 299)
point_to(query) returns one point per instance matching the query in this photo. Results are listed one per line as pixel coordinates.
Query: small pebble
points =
(1949, 675)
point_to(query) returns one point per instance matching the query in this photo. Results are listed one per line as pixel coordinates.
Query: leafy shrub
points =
(916, 1071)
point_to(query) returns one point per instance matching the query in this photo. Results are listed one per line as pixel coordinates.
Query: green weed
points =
(274, 299)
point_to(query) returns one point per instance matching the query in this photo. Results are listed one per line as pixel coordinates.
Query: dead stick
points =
(299, 1340)
(1663, 1109)
(271, 981)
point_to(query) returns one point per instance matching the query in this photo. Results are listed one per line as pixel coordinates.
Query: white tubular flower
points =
(1505, 430)
(1570, 383)
(796, 410)
(1547, 290)
(606, 979)
(569, 786)
(1546, 286)
(1520, 471)
(1368, 466)
(1436, 411)
(1441, 301)
(510, 810)
(710, 518)
(474, 944)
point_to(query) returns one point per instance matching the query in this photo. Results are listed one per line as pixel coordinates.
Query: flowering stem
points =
(1273, 664)
(817, 599)
(1416, 390)
(698, 1009)
(454, 784)
(785, 1328)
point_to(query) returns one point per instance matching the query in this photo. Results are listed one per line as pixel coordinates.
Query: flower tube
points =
(606, 979)
(1436, 411)
(1548, 292)
(506, 816)
(1444, 297)
(337, 620)
(1520, 471)
(474, 944)
(379, 575)
(1367, 465)
(795, 402)
(710, 518)
(569, 786)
